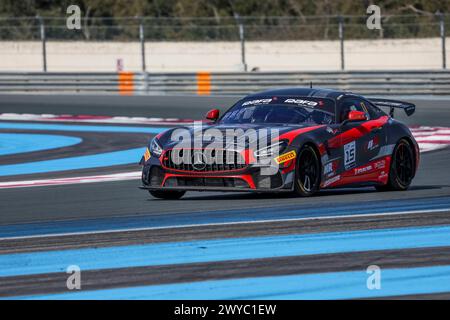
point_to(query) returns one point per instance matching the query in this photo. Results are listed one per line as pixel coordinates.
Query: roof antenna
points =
(310, 84)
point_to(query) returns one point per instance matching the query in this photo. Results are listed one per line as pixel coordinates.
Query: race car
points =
(296, 140)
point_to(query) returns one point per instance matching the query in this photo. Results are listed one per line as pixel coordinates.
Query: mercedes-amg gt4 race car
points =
(288, 140)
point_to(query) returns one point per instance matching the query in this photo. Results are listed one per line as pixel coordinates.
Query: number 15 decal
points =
(349, 155)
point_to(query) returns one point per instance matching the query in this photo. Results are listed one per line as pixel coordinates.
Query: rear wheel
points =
(168, 195)
(402, 169)
(307, 173)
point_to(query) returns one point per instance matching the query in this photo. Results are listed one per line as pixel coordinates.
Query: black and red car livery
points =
(326, 139)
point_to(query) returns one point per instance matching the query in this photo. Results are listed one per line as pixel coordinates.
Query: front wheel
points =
(307, 173)
(402, 169)
(167, 195)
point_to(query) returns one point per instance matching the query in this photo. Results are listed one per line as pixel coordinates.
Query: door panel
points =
(356, 144)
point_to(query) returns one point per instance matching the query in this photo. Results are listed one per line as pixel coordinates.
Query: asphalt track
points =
(432, 110)
(214, 245)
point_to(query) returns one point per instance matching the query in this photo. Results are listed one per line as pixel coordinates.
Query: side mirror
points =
(356, 116)
(213, 114)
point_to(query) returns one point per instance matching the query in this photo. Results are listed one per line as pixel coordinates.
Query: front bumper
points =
(155, 177)
(212, 189)
(157, 174)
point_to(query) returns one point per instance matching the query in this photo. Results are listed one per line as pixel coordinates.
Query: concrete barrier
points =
(229, 83)
(221, 56)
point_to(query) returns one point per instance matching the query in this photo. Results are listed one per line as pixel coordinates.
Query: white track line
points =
(92, 119)
(225, 224)
(74, 180)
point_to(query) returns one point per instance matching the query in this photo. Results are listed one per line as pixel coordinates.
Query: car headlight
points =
(274, 149)
(155, 148)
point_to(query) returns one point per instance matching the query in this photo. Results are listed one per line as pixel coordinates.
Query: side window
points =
(374, 111)
(353, 104)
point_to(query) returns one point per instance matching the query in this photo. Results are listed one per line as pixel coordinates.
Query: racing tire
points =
(167, 195)
(402, 168)
(307, 172)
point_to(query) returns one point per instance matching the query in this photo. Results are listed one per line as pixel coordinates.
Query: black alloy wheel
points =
(307, 180)
(402, 169)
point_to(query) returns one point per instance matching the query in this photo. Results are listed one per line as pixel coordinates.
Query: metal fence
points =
(243, 29)
(230, 83)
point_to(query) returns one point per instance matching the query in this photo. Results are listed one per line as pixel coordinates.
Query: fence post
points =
(44, 43)
(444, 51)
(341, 38)
(242, 39)
(142, 39)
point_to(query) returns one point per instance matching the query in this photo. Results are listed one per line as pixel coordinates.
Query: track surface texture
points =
(213, 245)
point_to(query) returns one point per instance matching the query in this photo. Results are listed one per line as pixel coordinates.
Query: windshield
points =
(282, 110)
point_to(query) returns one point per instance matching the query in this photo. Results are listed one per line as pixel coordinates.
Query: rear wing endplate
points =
(409, 108)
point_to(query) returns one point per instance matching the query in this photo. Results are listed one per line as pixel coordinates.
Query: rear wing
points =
(409, 108)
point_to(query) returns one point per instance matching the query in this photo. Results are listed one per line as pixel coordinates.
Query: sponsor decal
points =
(363, 169)
(331, 181)
(409, 109)
(331, 130)
(349, 155)
(146, 155)
(383, 175)
(258, 101)
(302, 102)
(373, 144)
(380, 164)
(286, 157)
(330, 168)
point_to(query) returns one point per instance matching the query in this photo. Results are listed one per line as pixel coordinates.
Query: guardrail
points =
(225, 83)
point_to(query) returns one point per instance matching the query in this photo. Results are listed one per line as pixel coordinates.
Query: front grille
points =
(211, 160)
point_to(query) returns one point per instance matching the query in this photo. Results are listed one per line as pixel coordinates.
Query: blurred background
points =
(188, 37)
(222, 35)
